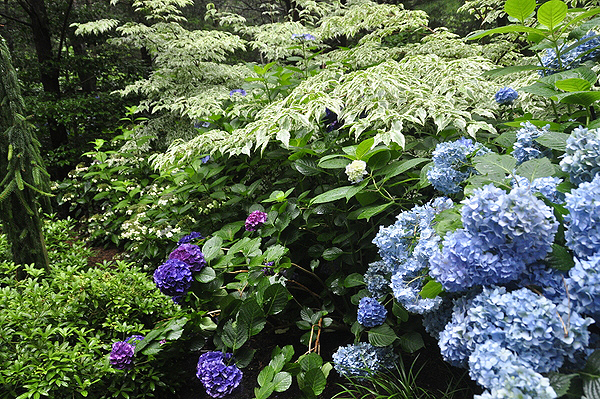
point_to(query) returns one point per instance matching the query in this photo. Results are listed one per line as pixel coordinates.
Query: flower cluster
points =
(370, 312)
(589, 49)
(547, 186)
(303, 36)
(255, 220)
(121, 355)
(363, 359)
(502, 233)
(506, 375)
(377, 278)
(218, 378)
(521, 321)
(525, 148)
(451, 164)
(355, 171)
(506, 95)
(191, 255)
(583, 221)
(406, 247)
(582, 155)
(173, 278)
(584, 285)
(194, 235)
(241, 92)
(331, 120)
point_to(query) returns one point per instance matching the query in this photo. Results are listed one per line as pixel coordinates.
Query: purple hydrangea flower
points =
(241, 92)
(370, 312)
(173, 278)
(506, 95)
(190, 254)
(134, 339)
(255, 220)
(121, 356)
(218, 378)
(190, 237)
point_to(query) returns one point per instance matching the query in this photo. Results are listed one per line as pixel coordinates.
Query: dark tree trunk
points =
(87, 79)
(48, 63)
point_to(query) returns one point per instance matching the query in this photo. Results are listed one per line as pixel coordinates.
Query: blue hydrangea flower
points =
(255, 220)
(241, 92)
(194, 235)
(121, 355)
(547, 186)
(506, 95)
(465, 261)
(407, 283)
(451, 164)
(525, 148)
(173, 278)
(583, 220)
(526, 324)
(371, 313)
(506, 375)
(377, 278)
(516, 224)
(303, 36)
(546, 280)
(454, 339)
(190, 254)
(435, 322)
(589, 49)
(218, 378)
(584, 285)
(582, 155)
(363, 359)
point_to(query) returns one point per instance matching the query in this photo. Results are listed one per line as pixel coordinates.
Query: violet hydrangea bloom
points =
(133, 340)
(255, 220)
(241, 92)
(173, 278)
(370, 312)
(218, 378)
(506, 95)
(121, 356)
(303, 36)
(190, 254)
(190, 237)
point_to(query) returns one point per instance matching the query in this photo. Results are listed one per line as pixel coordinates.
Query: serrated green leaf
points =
(337, 162)
(251, 316)
(431, 290)
(560, 382)
(540, 89)
(535, 168)
(399, 311)
(411, 342)
(232, 336)
(382, 335)
(332, 253)
(398, 167)
(505, 29)
(206, 275)
(212, 248)
(554, 140)
(331, 195)
(495, 166)
(275, 298)
(307, 167)
(354, 280)
(282, 381)
(573, 84)
(369, 211)
(266, 375)
(310, 361)
(364, 147)
(314, 382)
(584, 98)
(552, 13)
(519, 9)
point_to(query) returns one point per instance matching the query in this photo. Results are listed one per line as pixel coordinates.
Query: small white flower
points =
(356, 170)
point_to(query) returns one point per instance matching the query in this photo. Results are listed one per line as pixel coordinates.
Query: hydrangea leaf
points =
(264, 391)
(431, 289)
(313, 381)
(234, 336)
(370, 211)
(585, 98)
(573, 84)
(364, 147)
(282, 381)
(495, 166)
(552, 13)
(251, 316)
(535, 168)
(382, 335)
(275, 298)
(331, 195)
(265, 376)
(540, 89)
(519, 9)
(307, 167)
(310, 361)
(554, 140)
(411, 342)
(354, 280)
(332, 253)
(212, 248)
(399, 311)
(561, 382)
(333, 162)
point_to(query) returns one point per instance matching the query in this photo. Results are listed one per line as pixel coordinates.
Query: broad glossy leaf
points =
(585, 98)
(536, 168)
(519, 9)
(382, 335)
(552, 13)
(573, 84)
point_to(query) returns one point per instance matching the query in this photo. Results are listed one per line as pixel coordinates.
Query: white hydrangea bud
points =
(355, 171)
